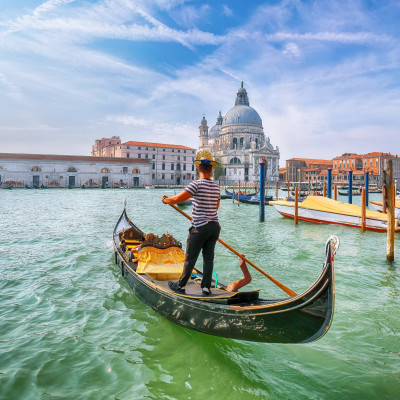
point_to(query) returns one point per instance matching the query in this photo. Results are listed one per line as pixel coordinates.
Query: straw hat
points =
(205, 158)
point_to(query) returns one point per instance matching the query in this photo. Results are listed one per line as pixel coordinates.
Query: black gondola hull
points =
(299, 319)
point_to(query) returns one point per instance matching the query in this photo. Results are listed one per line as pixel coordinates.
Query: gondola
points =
(251, 199)
(239, 315)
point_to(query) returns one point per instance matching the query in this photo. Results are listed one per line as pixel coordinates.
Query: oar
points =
(277, 283)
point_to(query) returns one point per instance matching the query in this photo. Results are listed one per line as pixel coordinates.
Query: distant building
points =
(106, 147)
(72, 171)
(238, 142)
(316, 171)
(171, 164)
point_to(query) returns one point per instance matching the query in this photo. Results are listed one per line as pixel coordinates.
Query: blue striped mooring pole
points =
(366, 187)
(262, 189)
(350, 186)
(329, 194)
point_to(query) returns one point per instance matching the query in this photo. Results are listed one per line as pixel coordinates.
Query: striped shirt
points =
(205, 195)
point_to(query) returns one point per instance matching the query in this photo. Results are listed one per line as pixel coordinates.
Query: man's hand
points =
(163, 198)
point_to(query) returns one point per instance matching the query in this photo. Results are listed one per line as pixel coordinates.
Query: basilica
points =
(238, 142)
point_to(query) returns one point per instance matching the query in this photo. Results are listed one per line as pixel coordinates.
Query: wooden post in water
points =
(363, 209)
(383, 198)
(324, 191)
(309, 187)
(335, 191)
(276, 191)
(238, 200)
(296, 205)
(262, 189)
(233, 192)
(390, 209)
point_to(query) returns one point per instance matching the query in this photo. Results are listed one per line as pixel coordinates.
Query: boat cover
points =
(379, 203)
(325, 204)
(161, 264)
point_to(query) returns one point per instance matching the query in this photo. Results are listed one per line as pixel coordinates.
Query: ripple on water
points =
(70, 328)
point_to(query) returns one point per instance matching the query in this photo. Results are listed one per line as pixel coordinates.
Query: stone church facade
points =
(238, 142)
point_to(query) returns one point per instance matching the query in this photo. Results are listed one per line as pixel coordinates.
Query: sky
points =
(324, 75)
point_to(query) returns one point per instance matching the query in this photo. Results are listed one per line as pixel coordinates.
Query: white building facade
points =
(55, 171)
(238, 142)
(170, 164)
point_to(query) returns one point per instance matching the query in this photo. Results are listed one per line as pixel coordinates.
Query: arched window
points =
(105, 171)
(163, 166)
(234, 160)
(135, 171)
(235, 143)
(256, 143)
(71, 169)
(241, 141)
(36, 169)
(178, 167)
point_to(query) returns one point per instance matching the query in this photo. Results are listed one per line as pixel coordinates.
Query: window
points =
(36, 169)
(179, 151)
(154, 176)
(163, 157)
(105, 171)
(154, 149)
(178, 167)
(173, 150)
(163, 167)
(192, 167)
(124, 170)
(163, 149)
(147, 156)
(184, 167)
(147, 148)
(139, 155)
(172, 167)
(154, 156)
(127, 147)
(234, 160)
(241, 142)
(154, 166)
(234, 143)
(172, 177)
(162, 176)
(184, 151)
(139, 148)
(184, 158)
(71, 169)
(127, 155)
(179, 157)
(135, 171)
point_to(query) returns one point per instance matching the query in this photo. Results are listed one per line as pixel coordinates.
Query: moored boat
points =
(238, 315)
(323, 210)
(252, 199)
(379, 207)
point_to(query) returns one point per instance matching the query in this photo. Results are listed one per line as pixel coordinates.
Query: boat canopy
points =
(325, 204)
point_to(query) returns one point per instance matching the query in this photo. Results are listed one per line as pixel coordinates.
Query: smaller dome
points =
(214, 131)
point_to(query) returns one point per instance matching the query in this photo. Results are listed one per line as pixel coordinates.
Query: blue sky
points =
(323, 75)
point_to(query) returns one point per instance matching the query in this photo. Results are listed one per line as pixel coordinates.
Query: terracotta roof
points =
(311, 161)
(57, 157)
(169, 146)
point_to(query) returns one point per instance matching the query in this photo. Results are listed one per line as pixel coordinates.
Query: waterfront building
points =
(171, 164)
(55, 171)
(106, 147)
(306, 169)
(238, 142)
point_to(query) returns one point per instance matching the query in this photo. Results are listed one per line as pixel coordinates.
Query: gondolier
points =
(205, 228)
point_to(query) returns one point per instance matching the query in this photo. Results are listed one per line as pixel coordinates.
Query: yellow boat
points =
(322, 210)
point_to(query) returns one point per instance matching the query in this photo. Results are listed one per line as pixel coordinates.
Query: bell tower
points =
(203, 128)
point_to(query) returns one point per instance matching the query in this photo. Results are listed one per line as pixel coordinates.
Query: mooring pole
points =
(363, 209)
(276, 191)
(366, 187)
(262, 189)
(350, 194)
(329, 194)
(390, 209)
(238, 200)
(233, 192)
(296, 206)
(335, 191)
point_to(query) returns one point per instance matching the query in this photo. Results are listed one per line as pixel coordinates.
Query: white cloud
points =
(227, 11)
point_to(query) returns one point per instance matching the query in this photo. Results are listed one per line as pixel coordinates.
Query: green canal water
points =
(71, 329)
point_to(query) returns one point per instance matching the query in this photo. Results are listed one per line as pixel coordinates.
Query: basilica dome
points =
(242, 115)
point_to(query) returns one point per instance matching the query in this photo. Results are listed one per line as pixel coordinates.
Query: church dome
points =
(216, 129)
(242, 115)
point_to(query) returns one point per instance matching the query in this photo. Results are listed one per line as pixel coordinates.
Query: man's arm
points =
(178, 198)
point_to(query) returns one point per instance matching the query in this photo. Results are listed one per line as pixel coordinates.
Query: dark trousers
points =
(201, 238)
